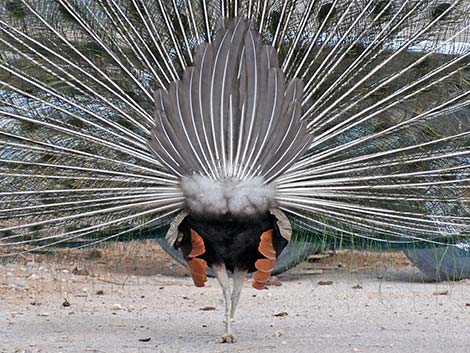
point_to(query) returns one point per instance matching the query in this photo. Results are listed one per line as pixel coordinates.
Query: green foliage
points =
(439, 10)
(47, 158)
(6, 233)
(355, 51)
(380, 6)
(274, 22)
(36, 228)
(29, 127)
(93, 49)
(16, 9)
(325, 10)
(72, 228)
(76, 122)
(65, 13)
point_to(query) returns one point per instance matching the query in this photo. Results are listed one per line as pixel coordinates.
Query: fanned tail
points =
(385, 102)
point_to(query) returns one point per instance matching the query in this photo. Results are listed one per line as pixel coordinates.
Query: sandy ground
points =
(133, 298)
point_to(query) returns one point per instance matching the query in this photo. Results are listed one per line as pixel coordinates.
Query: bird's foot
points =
(228, 338)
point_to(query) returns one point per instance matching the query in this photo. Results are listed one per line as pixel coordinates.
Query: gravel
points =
(395, 310)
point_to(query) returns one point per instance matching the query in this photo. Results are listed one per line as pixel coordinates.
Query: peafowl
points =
(233, 126)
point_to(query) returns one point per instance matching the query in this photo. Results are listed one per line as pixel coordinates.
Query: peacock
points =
(232, 127)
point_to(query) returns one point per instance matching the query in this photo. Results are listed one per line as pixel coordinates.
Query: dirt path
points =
(115, 303)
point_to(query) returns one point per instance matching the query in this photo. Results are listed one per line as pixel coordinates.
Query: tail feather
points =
(235, 67)
(381, 87)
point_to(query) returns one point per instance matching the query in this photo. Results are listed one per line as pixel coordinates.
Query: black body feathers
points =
(231, 242)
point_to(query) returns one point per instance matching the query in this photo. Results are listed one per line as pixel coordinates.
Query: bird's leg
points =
(238, 280)
(222, 276)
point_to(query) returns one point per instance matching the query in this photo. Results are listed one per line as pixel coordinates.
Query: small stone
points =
(325, 283)
(278, 333)
(116, 307)
(357, 286)
(274, 281)
(207, 308)
(281, 314)
(99, 292)
(118, 324)
(20, 284)
(317, 257)
(94, 254)
(66, 303)
(80, 272)
(310, 272)
(145, 339)
(442, 292)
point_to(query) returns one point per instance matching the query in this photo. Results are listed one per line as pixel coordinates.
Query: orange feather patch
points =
(197, 266)
(257, 285)
(197, 245)
(266, 245)
(264, 266)
(198, 271)
(261, 277)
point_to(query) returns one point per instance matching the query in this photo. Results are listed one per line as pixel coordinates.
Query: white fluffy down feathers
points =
(231, 196)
